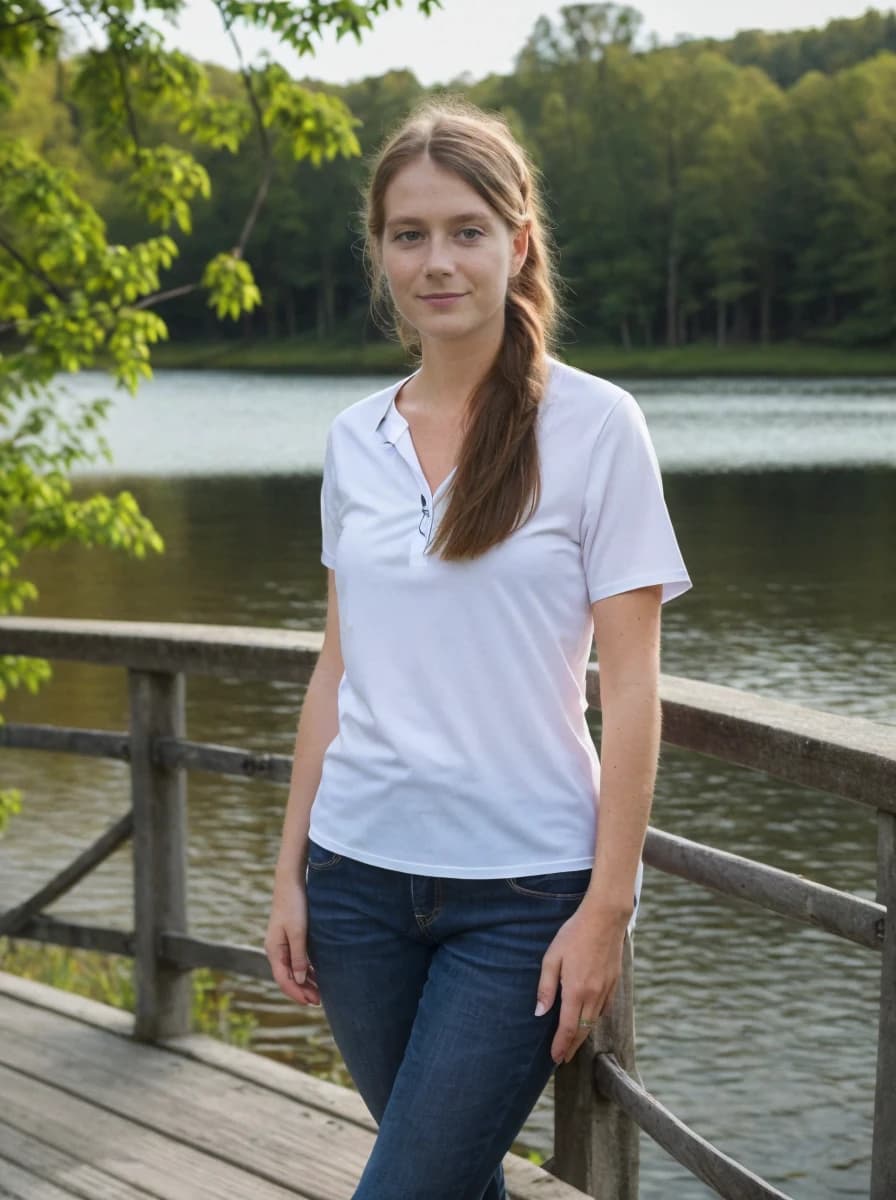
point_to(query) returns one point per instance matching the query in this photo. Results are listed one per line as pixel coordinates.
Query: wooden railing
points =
(600, 1102)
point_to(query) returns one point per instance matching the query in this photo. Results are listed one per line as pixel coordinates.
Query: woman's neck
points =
(449, 372)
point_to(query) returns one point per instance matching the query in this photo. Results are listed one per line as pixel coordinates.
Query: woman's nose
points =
(439, 256)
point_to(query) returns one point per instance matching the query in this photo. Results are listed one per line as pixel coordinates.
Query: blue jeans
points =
(429, 987)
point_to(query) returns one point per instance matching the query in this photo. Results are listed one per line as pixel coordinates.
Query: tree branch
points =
(125, 89)
(37, 19)
(26, 266)
(159, 297)
(268, 171)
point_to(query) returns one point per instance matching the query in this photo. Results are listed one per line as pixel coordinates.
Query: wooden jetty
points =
(101, 1104)
(87, 1111)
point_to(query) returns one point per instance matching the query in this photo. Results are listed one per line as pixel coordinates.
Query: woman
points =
(440, 872)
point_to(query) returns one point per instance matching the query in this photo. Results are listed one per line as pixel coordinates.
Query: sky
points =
(483, 36)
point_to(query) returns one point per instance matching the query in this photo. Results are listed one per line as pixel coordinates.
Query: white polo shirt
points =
(462, 747)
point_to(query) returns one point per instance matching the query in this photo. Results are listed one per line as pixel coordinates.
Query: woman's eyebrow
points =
(478, 215)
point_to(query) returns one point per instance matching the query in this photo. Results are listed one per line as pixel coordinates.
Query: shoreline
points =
(297, 357)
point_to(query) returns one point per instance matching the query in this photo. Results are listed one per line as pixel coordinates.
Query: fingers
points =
(578, 1004)
(292, 971)
(566, 1039)
(547, 984)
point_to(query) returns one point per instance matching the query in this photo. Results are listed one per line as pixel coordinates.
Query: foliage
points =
(119, 126)
(694, 197)
(109, 979)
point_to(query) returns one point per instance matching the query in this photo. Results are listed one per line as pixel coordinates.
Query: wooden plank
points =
(55, 932)
(525, 1180)
(188, 951)
(67, 1004)
(66, 1171)
(127, 1151)
(776, 890)
(185, 1100)
(726, 1176)
(883, 1150)
(89, 858)
(91, 743)
(159, 802)
(22, 1184)
(846, 756)
(223, 760)
(236, 651)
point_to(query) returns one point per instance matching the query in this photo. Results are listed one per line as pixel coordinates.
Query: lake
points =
(756, 1031)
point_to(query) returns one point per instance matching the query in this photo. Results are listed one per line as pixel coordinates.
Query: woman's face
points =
(442, 239)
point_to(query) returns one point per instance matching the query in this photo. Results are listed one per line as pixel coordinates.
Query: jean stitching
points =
(425, 921)
(323, 866)
(523, 891)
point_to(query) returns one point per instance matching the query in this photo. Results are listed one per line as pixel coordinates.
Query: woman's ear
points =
(520, 248)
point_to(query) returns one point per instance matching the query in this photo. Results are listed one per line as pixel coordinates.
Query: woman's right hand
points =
(285, 943)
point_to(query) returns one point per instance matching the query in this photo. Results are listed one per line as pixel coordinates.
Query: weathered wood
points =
(237, 651)
(845, 756)
(186, 1101)
(187, 952)
(98, 852)
(18, 1183)
(68, 1005)
(90, 743)
(223, 760)
(166, 1167)
(840, 913)
(56, 932)
(723, 1174)
(160, 854)
(230, 1106)
(849, 757)
(595, 1141)
(883, 1151)
(47, 1165)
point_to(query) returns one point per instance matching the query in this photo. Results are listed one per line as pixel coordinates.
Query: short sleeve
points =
(627, 538)
(330, 520)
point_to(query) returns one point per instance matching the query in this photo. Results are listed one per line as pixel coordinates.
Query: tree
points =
(70, 297)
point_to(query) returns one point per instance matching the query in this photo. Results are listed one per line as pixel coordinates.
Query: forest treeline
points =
(740, 191)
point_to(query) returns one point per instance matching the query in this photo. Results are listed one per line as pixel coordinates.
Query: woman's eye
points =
(411, 235)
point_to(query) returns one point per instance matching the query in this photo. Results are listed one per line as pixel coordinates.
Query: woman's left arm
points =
(586, 954)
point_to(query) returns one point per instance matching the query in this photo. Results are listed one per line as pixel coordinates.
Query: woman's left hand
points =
(587, 954)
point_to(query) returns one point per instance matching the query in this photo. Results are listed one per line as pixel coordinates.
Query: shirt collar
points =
(390, 423)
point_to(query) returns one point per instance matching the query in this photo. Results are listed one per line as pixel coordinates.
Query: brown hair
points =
(497, 483)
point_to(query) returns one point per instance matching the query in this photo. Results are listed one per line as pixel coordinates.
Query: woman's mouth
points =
(443, 299)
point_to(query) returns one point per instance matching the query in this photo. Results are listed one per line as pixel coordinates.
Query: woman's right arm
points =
(285, 942)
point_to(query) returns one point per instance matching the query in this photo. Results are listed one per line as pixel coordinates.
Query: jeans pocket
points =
(558, 885)
(319, 858)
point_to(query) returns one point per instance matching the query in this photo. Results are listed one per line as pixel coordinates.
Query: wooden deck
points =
(86, 1111)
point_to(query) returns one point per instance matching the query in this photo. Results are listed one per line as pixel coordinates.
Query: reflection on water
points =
(202, 423)
(758, 1032)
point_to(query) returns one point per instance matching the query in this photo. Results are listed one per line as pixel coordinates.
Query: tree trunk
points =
(721, 322)
(326, 306)
(625, 332)
(672, 295)
(765, 313)
(270, 315)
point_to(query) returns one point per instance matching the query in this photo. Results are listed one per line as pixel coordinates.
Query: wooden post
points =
(158, 795)
(883, 1150)
(595, 1144)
